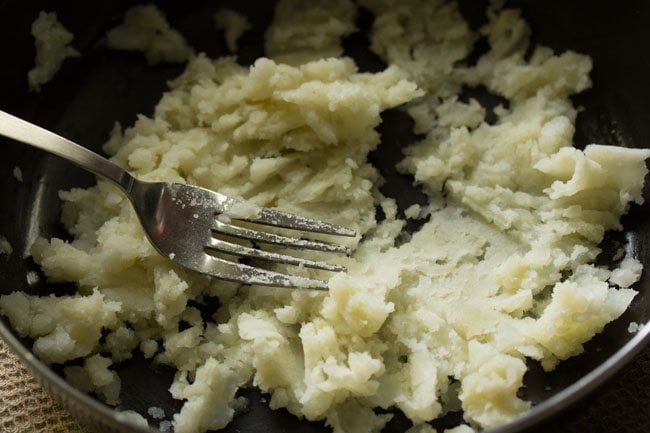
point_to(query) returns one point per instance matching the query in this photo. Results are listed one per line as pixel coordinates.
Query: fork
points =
(181, 220)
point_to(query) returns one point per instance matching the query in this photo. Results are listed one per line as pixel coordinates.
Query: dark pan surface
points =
(91, 93)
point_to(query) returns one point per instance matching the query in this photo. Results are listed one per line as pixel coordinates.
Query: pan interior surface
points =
(91, 93)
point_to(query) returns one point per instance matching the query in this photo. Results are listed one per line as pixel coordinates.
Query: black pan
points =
(90, 93)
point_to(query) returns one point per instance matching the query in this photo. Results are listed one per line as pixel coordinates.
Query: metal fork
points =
(181, 220)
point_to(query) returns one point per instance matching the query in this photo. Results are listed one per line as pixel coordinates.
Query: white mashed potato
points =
(233, 24)
(302, 31)
(145, 29)
(18, 174)
(5, 247)
(52, 42)
(502, 272)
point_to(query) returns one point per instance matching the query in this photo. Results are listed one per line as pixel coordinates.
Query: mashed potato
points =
(233, 24)
(145, 29)
(52, 42)
(5, 246)
(302, 31)
(501, 272)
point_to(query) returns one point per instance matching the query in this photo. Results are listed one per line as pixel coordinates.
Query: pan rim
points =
(56, 386)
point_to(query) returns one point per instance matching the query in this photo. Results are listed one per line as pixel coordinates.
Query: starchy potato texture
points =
(302, 31)
(444, 320)
(52, 41)
(146, 29)
(233, 25)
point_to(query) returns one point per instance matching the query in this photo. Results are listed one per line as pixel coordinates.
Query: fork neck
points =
(94, 163)
(100, 166)
(125, 181)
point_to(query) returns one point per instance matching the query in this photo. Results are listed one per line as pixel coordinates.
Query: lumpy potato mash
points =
(503, 270)
(146, 29)
(52, 43)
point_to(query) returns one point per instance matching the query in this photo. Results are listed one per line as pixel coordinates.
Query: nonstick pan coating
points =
(90, 93)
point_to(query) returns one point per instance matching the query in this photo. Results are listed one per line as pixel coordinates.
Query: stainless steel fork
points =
(181, 220)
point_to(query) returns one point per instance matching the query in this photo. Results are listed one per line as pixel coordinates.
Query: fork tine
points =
(272, 238)
(240, 250)
(287, 220)
(245, 274)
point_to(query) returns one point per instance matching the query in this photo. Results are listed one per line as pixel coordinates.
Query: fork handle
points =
(21, 130)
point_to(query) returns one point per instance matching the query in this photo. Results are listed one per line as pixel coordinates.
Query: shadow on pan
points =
(90, 93)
